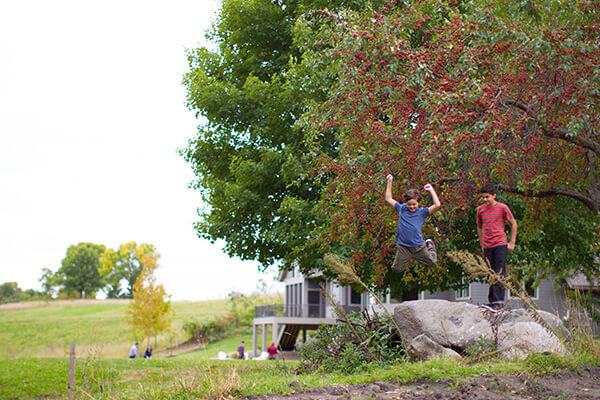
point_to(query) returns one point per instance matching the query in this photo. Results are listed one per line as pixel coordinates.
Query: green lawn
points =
(99, 328)
(34, 343)
(178, 378)
(181, 378)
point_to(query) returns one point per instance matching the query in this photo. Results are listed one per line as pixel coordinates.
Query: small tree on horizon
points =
(150, 312)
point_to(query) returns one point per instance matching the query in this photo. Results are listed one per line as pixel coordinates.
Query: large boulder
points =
(452, 324)
(458, 325)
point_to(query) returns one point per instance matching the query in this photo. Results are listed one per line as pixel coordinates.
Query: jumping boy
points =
(491, 217)
(409, 240)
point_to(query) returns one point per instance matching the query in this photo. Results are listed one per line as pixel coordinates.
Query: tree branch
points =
(562, 134)
(588, 202)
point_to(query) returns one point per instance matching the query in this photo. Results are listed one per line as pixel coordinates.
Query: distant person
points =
(491, 218)
(133, 350)
(241, 350)
(272, 350)
(148, 352)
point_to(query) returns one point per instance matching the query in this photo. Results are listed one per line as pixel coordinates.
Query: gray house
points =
(306, 305)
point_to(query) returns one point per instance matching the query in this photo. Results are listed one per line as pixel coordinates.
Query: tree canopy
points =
(126, 264)
(79, 269)
(460, 95)
(250, 158)
(150, 311)
(307, 110)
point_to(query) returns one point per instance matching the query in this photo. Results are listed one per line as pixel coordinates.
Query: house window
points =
(316, 304)
(355, 297)
(464, 292)
(531, 291)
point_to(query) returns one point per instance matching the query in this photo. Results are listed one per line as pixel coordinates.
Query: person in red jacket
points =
(272, 350)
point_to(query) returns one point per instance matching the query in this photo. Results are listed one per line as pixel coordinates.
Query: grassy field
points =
(99, 327)
(177, 378)
(34, 341)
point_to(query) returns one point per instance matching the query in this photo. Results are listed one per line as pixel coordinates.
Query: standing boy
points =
(409, 240)
(491, 217)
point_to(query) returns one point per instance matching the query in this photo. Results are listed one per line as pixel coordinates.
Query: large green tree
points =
(80, 269)
(250, 157)
(307, 109)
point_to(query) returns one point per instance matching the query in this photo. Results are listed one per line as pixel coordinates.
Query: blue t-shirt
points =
(408, 233)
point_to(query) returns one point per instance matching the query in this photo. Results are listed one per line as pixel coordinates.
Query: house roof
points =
(579, 281)
(284, 273)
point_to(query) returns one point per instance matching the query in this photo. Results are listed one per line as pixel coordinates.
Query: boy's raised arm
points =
(436, 201)
(388, 191)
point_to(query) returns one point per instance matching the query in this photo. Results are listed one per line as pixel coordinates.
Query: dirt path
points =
(34, 304)
(581, 384)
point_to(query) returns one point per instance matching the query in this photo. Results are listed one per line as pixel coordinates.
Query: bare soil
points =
(583, 383)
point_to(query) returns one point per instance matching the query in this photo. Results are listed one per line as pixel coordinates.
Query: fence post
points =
(72, 361)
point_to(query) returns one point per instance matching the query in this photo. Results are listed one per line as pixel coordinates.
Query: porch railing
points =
(296, 310)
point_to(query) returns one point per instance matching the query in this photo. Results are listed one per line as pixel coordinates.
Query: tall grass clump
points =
(347, 274)
(359, 341)
(477, 267)
(582, 343)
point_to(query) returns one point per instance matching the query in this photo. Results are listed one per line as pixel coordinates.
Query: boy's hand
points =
(389, 177)
(428, 187)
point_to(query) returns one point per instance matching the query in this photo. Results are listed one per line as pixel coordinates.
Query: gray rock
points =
(523, 315)
(457, 325)
(451, 324)
(423, 348)
(523, 338)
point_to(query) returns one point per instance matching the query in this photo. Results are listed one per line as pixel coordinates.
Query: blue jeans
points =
(496, 257)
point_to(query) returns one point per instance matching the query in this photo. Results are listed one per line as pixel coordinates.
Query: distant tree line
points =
(87, 269)
(10, 292)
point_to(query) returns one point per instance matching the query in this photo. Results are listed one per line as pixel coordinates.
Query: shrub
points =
(353, 344)
(205, 331)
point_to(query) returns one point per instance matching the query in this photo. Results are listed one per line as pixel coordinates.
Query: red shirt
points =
(491, 220)
(272, 350)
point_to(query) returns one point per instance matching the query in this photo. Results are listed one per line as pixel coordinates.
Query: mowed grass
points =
(47, 329)
(177, 378)
(194, 374)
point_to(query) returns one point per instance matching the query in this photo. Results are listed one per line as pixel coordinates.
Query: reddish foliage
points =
(458, 101)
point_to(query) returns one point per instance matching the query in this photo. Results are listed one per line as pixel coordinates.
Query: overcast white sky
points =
(91, 116)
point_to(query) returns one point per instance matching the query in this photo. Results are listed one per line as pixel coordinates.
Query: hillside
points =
(40, 329)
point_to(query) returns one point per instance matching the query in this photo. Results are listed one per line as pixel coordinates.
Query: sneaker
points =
(430, 244)
(489, 307)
